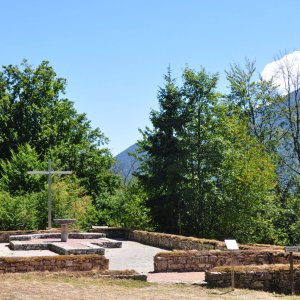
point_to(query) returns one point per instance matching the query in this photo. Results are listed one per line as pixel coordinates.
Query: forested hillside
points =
(127, 163)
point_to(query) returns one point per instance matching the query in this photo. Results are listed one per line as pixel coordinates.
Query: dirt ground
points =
(175, 277)
(66, 286)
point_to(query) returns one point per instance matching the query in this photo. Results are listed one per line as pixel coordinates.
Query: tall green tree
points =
(254, 99)
(162, 171)
(243, 186)
(200, 98)
(15, 179)
(223, 175)
(272, 113)
(34, 113)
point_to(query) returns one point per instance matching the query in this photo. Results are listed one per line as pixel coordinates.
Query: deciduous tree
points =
(34, 113)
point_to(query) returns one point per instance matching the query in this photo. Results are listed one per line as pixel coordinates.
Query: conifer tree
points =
(162, 173)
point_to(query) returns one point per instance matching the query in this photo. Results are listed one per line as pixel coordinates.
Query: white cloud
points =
(285, 72)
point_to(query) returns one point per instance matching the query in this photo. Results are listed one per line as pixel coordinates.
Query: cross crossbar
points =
(49, 172)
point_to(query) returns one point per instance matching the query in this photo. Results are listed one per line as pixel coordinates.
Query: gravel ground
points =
(139, 257)
(132, 256)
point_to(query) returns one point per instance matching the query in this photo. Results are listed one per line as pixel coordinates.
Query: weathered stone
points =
(88, 246)
(197, 260)
(257, 285)
(53, 263)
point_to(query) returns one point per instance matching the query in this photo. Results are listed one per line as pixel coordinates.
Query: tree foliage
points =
(35, 114)
(162, 173)
(126, 208)
(15, 179)
(29, 210)
(272, 113)
(205, 174)
(254, 99)
(212, 165)
(38, 123)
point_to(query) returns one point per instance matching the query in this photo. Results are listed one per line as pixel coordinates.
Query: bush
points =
(125, 208)
(17, 212)
(30, 211)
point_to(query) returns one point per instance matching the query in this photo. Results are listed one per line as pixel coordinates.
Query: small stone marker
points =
(290, 250)
(232, 245)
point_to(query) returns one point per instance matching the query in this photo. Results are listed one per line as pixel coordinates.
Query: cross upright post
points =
(49, 173)
(49, 194)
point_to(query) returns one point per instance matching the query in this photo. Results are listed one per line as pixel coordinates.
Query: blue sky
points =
(114, 53)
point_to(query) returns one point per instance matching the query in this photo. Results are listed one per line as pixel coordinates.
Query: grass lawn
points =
(66, 286)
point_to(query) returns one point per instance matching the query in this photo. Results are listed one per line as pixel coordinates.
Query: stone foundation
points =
(112, 232)
(53, 263)
(200, 261)
(86, 248)
(4, 235)
(79, 243)
(161, 240)
(172, 241)
(76, 235)
(272, 278)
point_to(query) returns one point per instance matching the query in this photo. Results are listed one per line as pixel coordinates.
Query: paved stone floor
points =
(5, 251)
(132, 255)
(72, 246)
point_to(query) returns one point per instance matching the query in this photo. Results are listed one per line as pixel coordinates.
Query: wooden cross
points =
(49, 173)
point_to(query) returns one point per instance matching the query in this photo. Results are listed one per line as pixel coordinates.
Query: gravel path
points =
(139, 257)
(132, 256)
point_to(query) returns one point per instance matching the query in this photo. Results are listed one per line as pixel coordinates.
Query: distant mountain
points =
(126, 163)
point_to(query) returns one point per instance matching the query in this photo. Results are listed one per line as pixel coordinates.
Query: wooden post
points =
(232, 271)
(232, 245)
(292, 273)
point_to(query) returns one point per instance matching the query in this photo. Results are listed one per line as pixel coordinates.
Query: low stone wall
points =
(4, 235)
(72, 235)
(200, 261)
(53, 263)
(161, 240)
(271, 278)
(112, 232)
(172, 241)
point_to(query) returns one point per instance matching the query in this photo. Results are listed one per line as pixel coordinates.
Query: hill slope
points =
(126, 163)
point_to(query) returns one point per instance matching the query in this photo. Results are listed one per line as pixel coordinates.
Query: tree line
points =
(212, 165)
(220, 166)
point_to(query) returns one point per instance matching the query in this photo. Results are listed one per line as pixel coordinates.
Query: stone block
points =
(161, 266)
(257, 285)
